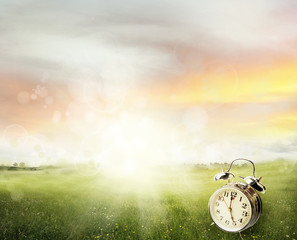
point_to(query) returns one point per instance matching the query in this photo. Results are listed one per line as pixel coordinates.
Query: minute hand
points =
(230, 203)
(230, 209)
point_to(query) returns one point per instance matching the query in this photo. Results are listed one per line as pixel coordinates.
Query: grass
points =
(173, 204)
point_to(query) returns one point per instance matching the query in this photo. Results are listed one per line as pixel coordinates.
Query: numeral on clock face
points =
(233, 194)
(244, 213)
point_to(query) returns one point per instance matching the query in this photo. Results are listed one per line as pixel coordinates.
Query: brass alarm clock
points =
(236, 206)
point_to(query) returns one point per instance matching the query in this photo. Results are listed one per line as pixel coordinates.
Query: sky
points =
(138, 83)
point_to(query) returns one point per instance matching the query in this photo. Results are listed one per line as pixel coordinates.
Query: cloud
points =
(157, 39)
(159, 48)
(284, 145)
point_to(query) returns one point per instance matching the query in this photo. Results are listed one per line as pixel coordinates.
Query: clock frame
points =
(254, 202)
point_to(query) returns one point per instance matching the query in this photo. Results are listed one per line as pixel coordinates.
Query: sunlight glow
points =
(130, 146)
(129, 168)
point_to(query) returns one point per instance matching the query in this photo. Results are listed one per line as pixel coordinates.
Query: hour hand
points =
(230, 203)
(231, 215)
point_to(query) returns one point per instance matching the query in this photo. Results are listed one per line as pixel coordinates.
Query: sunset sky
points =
(147, 82)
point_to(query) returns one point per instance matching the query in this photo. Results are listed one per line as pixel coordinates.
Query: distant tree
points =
(15, 164)
(22, 164)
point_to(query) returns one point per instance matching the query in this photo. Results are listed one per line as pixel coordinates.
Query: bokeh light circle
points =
(14, 135)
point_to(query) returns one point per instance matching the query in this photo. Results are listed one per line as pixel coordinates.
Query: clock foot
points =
(240, 236)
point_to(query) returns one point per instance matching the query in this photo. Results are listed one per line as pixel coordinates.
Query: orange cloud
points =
(224, 84)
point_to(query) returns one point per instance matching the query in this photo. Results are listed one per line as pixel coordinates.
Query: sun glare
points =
(125, 148)
(129, 168)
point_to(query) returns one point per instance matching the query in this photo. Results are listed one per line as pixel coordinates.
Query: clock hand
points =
(224, 201)
(231, 216)
(230, 209)
(230, 203)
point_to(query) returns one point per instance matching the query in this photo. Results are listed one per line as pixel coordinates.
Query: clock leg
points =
(240, 236)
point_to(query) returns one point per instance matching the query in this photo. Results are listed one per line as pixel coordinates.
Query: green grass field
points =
(172, 204)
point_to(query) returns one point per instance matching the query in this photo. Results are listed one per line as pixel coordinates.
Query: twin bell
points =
(251, 181)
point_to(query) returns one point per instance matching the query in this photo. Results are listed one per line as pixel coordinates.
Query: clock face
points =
(230, 209)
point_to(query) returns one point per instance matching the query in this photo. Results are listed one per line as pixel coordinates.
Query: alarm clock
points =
(236, 206)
